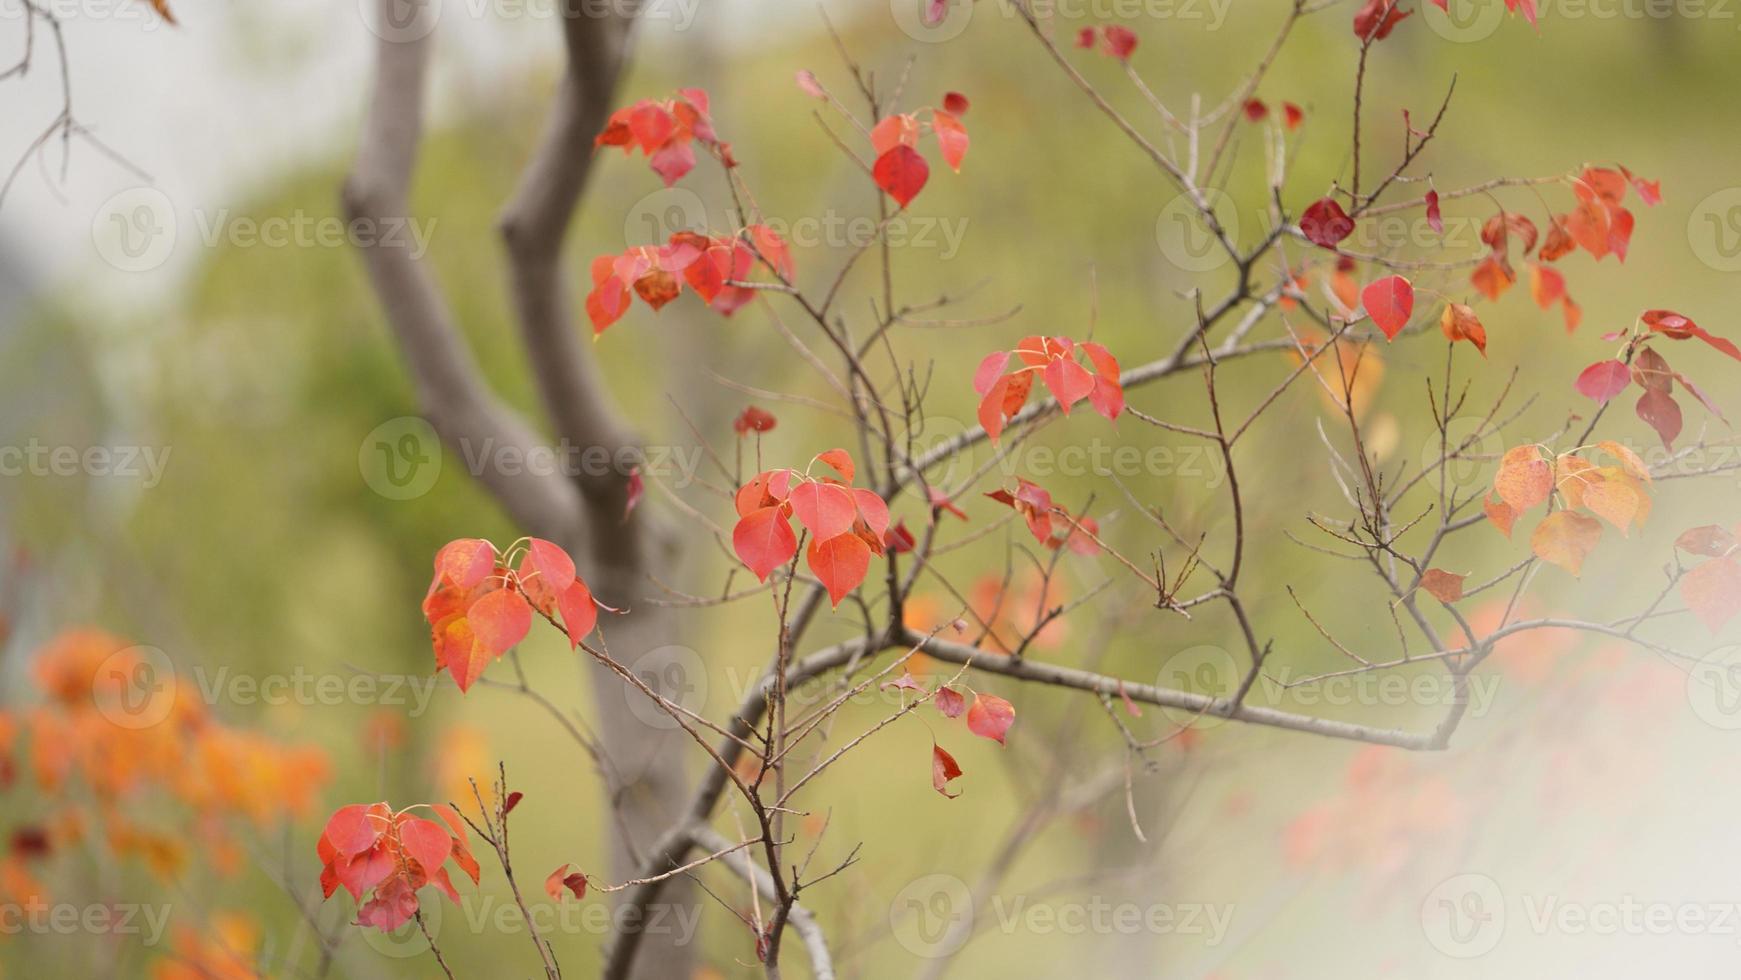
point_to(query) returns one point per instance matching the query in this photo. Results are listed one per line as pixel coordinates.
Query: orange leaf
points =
(1443, 585)
(1713, 592)
(1566, 538)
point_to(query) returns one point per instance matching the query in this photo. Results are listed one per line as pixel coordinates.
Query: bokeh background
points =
(1580, 821)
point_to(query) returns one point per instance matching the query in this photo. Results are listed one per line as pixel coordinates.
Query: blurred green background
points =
(263, 548)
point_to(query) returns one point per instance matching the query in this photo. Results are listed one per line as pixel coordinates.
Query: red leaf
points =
(1255, 110)
(943, 769)
(1435, 218)
(826, 509)
(840, 563)
(1118, 42)
(950, 702)
(1459, 322)
(753, 419)
(1674, 326)
(1377, 19)
(955, 103)
(499, 620)
(990, 717)
(840, 460)
(901, 172)
(1389, 301)
(1713, 592)
(1603, 380)
(1293, 114)
(552, 564)
(1663, 413)
(951, 138)
(1710, 540)
(764, 541)
(579, 611)
(561, 883)
(1325, 223)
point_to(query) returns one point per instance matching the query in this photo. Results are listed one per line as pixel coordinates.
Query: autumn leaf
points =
(1524, 479)
(990, 716)
(1603, 380)
(901, 172)
(1389, 301)
(1325, 224)
(1377, 18)
(1662, 413)
(1566, 538)
(1500, 513)
(1442, 585)
(1459, 322)
(839, 562)
(949, 702)
(1709, 540)
(753, 419)
(943, 769)
(1713, 592)
(951, 138)
(562, 883)
(764, 541)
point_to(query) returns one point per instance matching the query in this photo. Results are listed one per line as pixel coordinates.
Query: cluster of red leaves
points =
(561, 883)
(1712, 590)
(107, 753)
(479, 605)
(899, 169)
(369, 848)
(754, 419)
(1036, 507)
(1618, 493)
(847, 524)
(657, 273)
(1649, 370)
(666, 132)
(1494, 275)
(988, 717)
(1292, 115)
(1377, 18)
(1053, 359)
(1115, 41)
